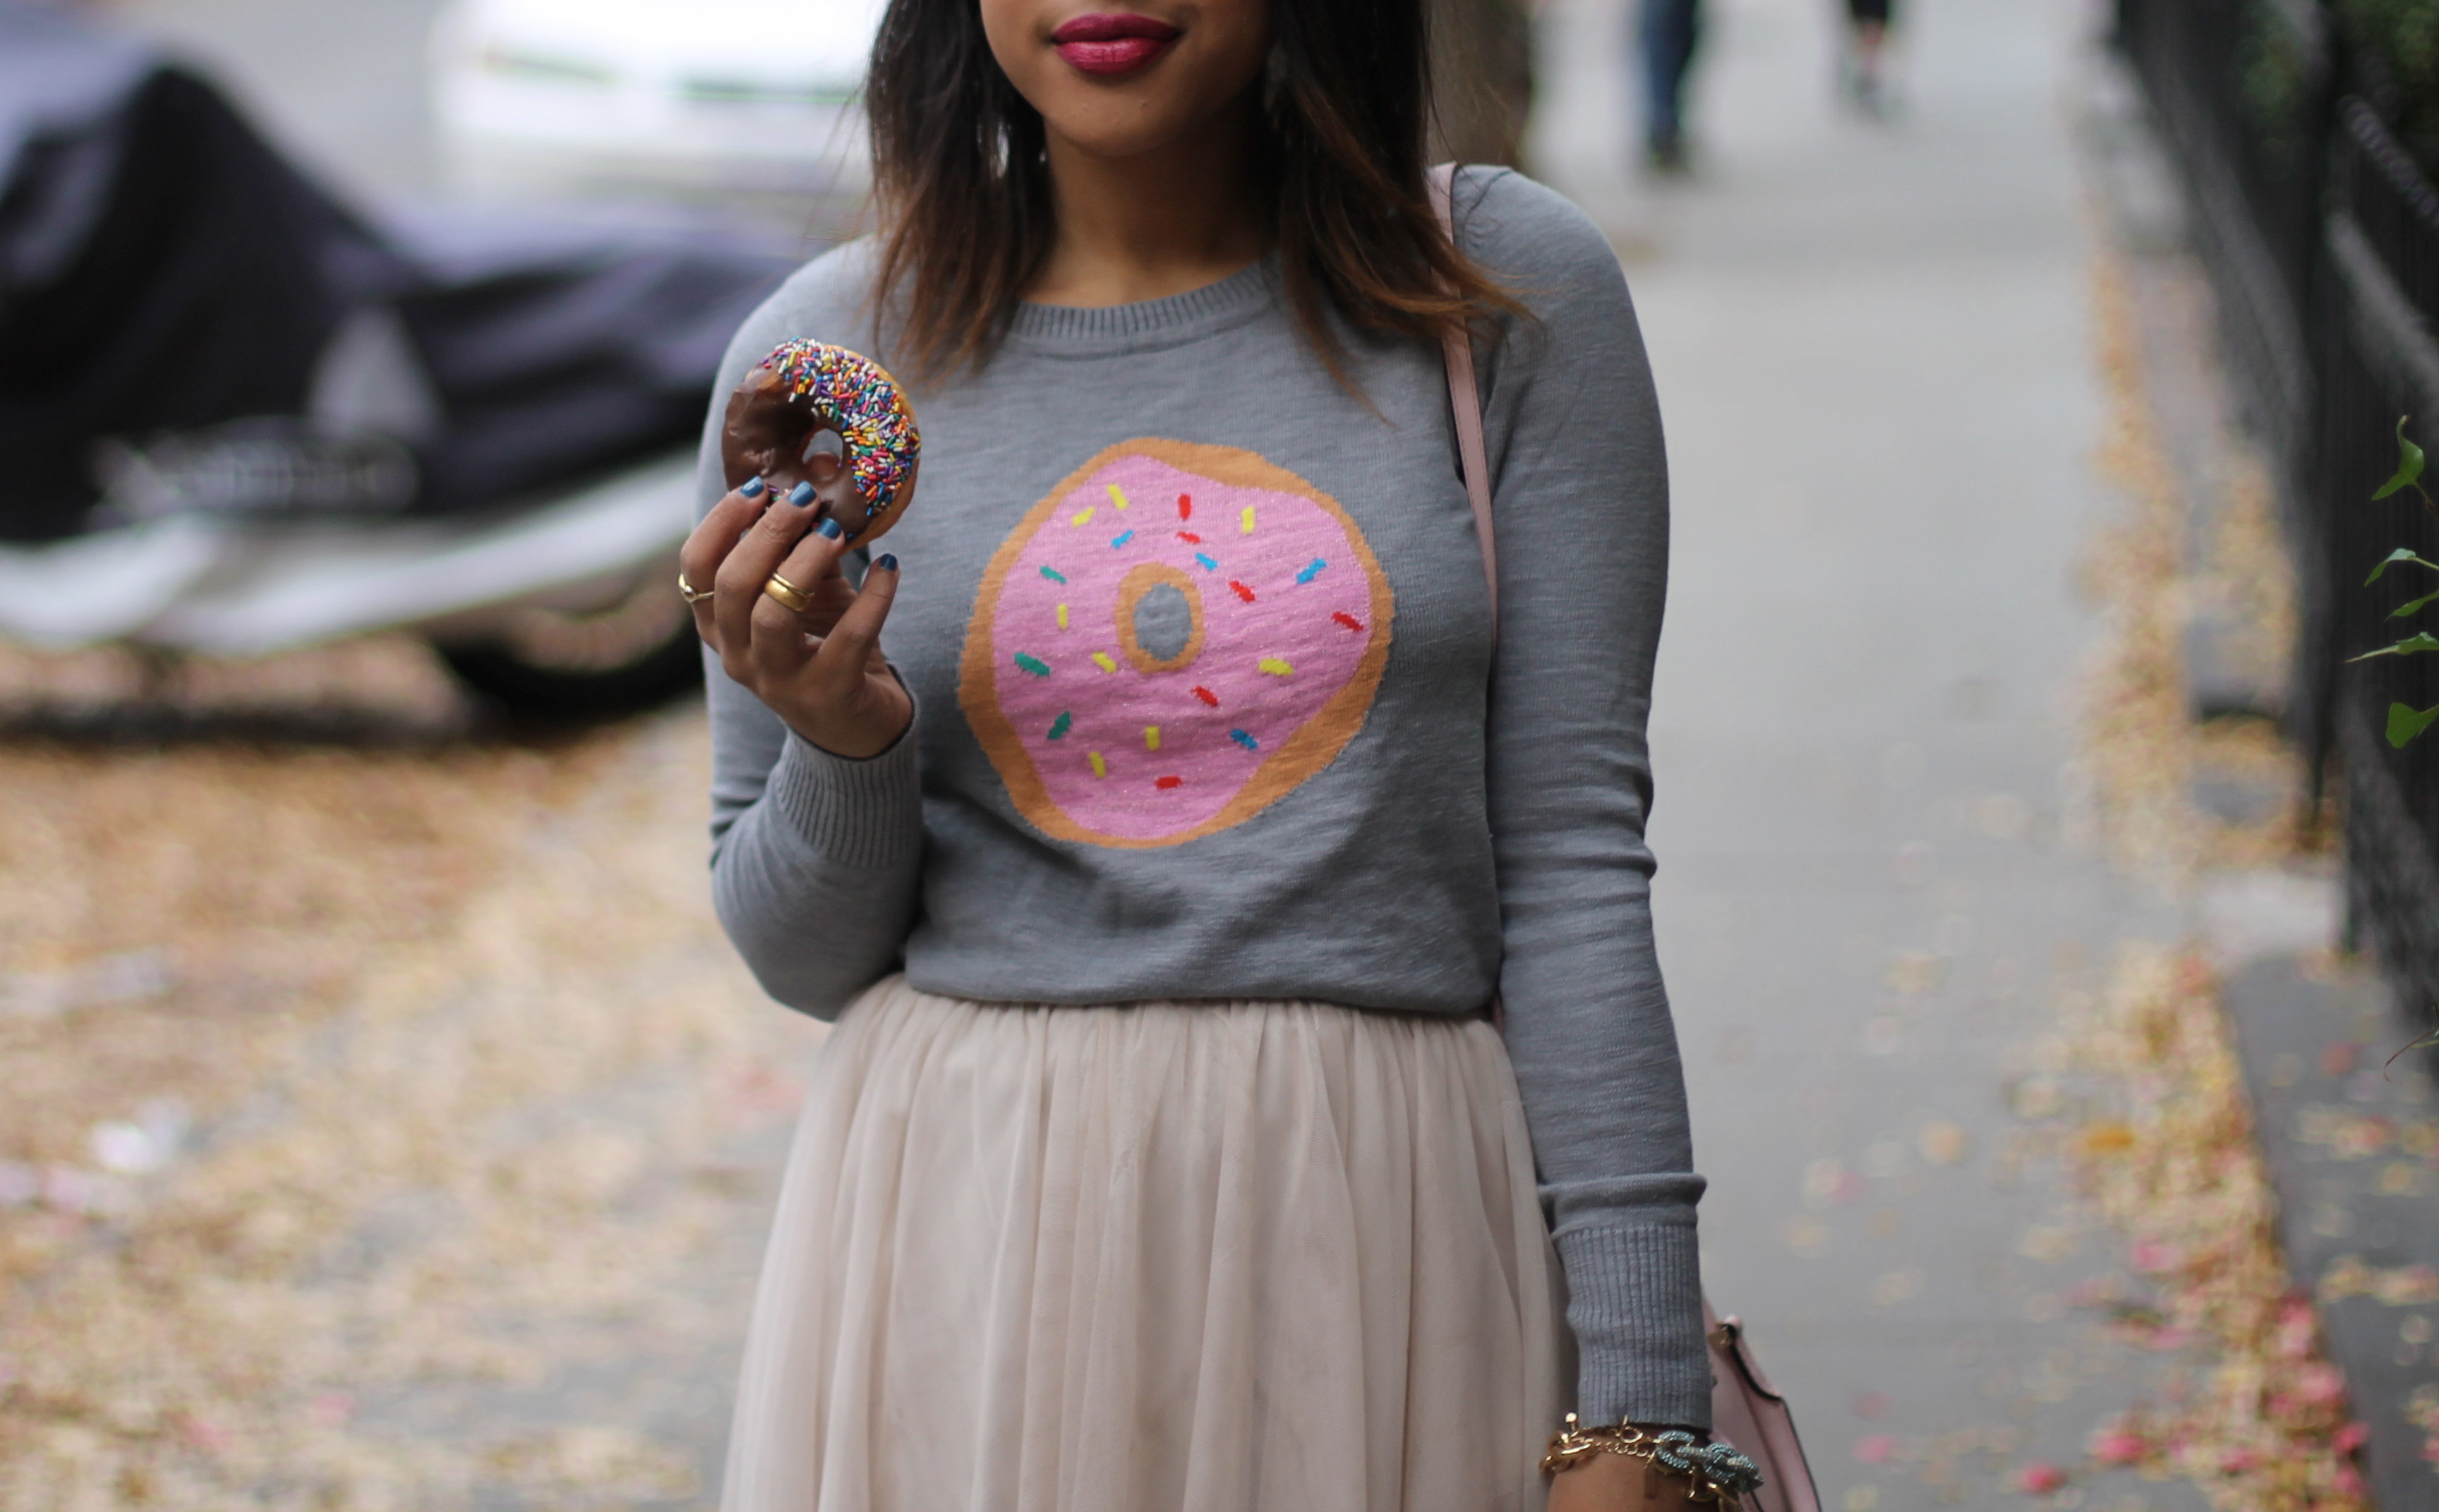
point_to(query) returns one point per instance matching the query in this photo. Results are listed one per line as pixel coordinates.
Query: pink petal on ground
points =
(331, 1408)
(2040, 1480)
(2150, 1257)
(205, 1434)
(65, 1189)
(756, 1089)
(2321, 1384)
(1875, 1448)
(2116, 1445)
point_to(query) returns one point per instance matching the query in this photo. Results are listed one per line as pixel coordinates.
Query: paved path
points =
(1874, 350)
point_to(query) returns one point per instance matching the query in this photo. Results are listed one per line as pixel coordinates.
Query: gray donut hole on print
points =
(1163, 622)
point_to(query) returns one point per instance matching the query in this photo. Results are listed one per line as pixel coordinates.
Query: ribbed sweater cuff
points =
(866, 814)
(1634, 1300)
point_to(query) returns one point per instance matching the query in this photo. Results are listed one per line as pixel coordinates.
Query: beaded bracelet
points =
(1722, 1475)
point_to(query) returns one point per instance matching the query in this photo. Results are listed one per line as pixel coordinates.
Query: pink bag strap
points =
(1464, 402)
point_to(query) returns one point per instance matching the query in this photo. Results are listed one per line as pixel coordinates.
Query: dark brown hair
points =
(965, 189)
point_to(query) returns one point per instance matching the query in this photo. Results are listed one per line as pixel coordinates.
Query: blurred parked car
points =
(239, 415)
(718, 95)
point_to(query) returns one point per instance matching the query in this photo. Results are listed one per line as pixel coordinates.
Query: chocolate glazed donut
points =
(807, 387)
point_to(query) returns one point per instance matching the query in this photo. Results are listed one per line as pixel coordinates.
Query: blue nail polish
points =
(801, 496)
(753, 489)
(888, 562)
(829, 527)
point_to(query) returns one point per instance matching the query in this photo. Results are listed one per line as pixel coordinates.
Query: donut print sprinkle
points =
(1145, 688)
(874, 420)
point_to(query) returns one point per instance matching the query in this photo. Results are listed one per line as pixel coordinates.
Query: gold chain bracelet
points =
(1720, 1476)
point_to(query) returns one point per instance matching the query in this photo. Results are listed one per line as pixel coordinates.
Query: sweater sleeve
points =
(1580, 497)
(815, 858)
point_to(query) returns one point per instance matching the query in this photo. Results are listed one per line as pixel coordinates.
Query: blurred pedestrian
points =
(1167, 1155)
(1863, 61)
(1668, 31)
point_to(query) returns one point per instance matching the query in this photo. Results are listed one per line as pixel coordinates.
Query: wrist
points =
(1708, 1474)
(854, 742)
(865, 734)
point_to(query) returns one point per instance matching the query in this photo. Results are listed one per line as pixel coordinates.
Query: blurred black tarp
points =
(189, 322)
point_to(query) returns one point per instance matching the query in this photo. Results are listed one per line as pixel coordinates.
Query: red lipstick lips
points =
(1110, 45)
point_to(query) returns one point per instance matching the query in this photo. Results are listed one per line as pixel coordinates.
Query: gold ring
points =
(689, 592)
(787, 594)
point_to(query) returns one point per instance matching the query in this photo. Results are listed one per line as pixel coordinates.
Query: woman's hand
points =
(1614, 1483)
(820, 671)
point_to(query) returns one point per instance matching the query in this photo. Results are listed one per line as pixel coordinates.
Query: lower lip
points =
(1119, 55)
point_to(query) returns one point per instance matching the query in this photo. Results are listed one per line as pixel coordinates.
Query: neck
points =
(1154, 223)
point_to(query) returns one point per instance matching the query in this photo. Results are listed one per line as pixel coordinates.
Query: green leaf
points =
(2404, 724)
(2408, 463)
(2420, 641)
(2414, 608)
(2400, 553)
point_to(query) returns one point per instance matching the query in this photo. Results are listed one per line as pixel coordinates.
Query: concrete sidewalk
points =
(1874, 349)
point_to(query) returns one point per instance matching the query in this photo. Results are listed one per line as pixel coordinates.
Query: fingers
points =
(782, 638)
(866, 708)
(699, 560)
(813, 565)
(853, 646)
(746, 568)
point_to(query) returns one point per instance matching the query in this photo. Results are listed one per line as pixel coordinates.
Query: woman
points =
(1200, 806)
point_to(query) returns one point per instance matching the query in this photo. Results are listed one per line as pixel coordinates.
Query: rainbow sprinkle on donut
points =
(874, 419)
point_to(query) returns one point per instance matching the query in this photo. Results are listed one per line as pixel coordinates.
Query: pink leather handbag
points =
(1745, 1410)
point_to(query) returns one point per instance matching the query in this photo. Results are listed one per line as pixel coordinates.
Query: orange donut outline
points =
(1300, 757)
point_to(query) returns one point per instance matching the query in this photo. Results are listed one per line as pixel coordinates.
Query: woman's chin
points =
(1113, 128)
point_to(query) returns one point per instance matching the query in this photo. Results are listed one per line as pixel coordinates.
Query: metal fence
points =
(2321, 238)
(2241, 89)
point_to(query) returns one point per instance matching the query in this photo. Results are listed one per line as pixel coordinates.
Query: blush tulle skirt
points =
(1224, 1258)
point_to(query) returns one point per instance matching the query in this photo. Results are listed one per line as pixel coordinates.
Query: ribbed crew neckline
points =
(1191, 313)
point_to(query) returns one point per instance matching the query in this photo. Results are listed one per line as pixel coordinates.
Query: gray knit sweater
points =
(1209, 707)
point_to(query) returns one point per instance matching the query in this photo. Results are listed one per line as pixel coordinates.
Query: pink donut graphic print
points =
(1172, 640)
